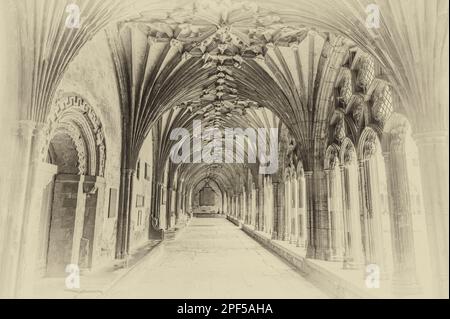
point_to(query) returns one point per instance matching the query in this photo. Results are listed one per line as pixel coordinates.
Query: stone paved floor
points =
(212, 258)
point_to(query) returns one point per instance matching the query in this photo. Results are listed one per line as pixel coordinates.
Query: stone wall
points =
(91, 76)
(142, 190)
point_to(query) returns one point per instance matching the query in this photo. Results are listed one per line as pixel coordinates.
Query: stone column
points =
(276, 219)
(123, 218)
(22, 214)
(352, 221)
(185, 204)
(261, 208)
(405, 276)
(296, 217)
(249, 207)
(238, 208)
(281, 212)
(433, 161)
(255, 208)
(179, 206)
(235, 207)
(169, 208)
(373, 229)
(285, 230)
(335, 217)
(303, 217)
(242, 206)
(311, 248)
(26, 275)
(320, 209)
(288, 211)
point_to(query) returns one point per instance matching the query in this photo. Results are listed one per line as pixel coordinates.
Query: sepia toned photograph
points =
(224, 150)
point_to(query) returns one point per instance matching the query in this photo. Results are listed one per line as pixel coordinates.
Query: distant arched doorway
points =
(207, 198)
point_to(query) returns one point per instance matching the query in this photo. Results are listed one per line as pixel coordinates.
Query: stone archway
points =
(207, 198)
(74, 149)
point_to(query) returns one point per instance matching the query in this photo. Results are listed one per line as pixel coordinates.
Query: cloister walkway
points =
(212, 258)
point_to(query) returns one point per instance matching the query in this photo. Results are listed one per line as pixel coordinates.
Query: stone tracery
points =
(78, 119)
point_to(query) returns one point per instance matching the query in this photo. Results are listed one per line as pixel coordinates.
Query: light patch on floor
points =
(213, 258)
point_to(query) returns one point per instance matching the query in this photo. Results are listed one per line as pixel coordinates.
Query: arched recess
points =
(335, 202)
(74, 150)
(353, 257)
(207, 197)
(77, 119)
(376, 226)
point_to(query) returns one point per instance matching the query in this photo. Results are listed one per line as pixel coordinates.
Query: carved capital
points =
(370, 146)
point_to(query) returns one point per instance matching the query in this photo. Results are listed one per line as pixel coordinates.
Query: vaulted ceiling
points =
(239, 63)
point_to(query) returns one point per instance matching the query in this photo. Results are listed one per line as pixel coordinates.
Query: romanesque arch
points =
(73, 199)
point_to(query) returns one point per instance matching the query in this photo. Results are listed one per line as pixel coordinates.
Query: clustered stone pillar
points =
(169, 208)
(433, 161)
(275, 219)
(287, 209)
(261, 207)
(303, 215)
(335, 217)
(310, 252)
(320, 209)
(405, 276)
(124, 220)
(295, 232)
(179, 206)
(371, 212)
(257, 212)
(18, 235)
(353, 257)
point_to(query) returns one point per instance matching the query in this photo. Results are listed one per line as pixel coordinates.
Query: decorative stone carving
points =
(349, 154)
(81, 148)
(332, 157)
(339, 130)
(79, 120)
(370, 146)
(366, 72)
(346, 90)
(358, 111)
(382, 107)
(210, 27)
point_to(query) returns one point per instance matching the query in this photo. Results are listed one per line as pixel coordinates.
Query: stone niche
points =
(207, 197)
(205, 201)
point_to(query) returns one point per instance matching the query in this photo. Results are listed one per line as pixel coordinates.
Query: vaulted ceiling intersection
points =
(224, 34)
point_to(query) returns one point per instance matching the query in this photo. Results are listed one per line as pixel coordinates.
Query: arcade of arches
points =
(361, 116)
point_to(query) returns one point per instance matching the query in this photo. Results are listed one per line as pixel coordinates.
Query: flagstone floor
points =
(212, 258)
